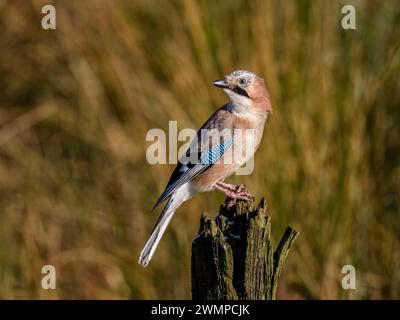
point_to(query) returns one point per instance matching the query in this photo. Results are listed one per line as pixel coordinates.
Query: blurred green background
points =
(76, 104)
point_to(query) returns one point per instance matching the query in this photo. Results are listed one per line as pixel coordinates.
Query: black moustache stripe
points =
(240, 91)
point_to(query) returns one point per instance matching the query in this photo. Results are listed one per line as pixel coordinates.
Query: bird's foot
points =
(238, 192)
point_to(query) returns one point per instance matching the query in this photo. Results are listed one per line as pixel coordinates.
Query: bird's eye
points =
(243, 81)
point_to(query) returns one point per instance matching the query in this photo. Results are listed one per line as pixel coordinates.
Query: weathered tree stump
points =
(233, 257)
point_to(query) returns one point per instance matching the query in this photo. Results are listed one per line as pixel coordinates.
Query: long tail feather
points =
(166, 215)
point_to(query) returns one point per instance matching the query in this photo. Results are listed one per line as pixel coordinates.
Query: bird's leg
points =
(234, 191)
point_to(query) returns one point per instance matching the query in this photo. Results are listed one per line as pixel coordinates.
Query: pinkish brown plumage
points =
(226, 141)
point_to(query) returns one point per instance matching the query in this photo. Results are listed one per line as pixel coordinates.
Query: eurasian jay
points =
(222, 145)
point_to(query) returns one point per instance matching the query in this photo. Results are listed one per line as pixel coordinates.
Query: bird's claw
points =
(241, 193)
(235, 192)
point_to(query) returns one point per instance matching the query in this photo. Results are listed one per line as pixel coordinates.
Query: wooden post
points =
(233, 257)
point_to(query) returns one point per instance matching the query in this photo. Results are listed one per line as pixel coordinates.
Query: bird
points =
(219, 149)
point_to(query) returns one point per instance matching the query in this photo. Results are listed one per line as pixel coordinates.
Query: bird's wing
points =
(202, 156)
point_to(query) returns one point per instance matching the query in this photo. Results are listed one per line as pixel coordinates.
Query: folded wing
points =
(203, 152)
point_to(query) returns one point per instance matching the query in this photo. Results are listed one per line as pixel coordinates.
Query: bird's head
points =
(246, 90)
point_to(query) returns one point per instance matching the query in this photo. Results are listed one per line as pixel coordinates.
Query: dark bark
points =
(233, 257)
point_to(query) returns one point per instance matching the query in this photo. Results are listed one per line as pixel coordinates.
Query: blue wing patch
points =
(212, 155)
(185, 172)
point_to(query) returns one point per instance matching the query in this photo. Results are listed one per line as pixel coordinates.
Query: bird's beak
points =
(221, 84)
